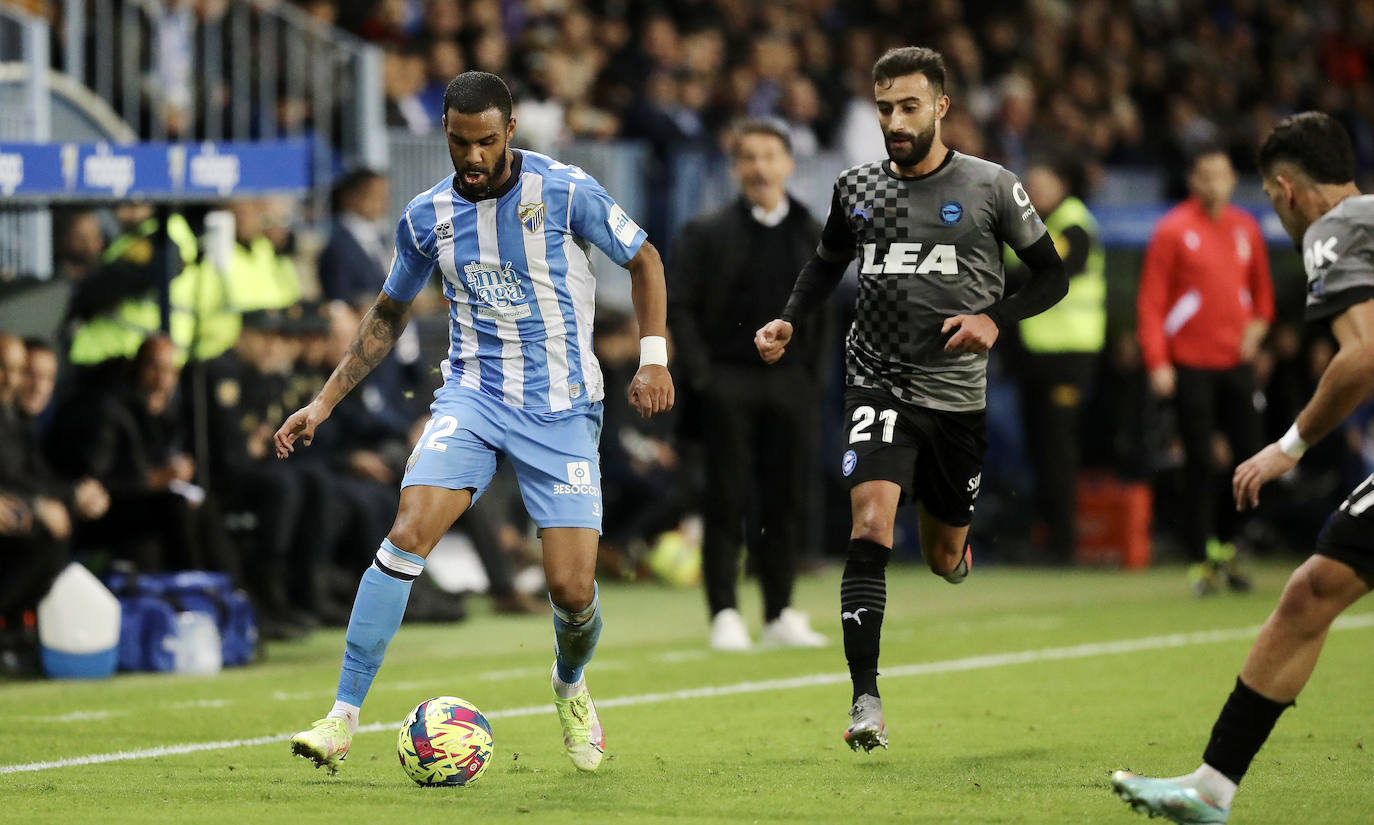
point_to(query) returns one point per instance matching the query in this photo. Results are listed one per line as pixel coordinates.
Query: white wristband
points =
(1291, 444)
(653, 349)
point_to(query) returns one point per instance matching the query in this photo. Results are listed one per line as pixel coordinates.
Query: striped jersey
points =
(519, 282)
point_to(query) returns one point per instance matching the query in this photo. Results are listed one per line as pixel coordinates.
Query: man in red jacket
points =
(1206, 301)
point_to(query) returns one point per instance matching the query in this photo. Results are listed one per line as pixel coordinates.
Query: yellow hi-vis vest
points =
(1079, 322)
(259, 278)
(119, 332)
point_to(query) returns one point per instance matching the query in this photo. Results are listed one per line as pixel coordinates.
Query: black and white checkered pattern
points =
(895, 344)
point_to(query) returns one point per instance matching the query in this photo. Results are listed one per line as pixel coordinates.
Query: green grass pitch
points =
(1009, 699)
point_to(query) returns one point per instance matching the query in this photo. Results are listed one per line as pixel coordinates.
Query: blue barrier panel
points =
(152, 171)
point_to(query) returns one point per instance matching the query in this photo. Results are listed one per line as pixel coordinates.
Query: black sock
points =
(863, 597)
(1240, 731)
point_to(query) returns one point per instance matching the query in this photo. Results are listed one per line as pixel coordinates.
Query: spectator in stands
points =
(23, 466)
(443, 62)
(116, 306)
(644, 484)
(356, 258)
(40, 379)
(129, 437)
(80, 244)
(1205, 304)
(403, 78)
(260, 276)
(270, 506)
(758, 424)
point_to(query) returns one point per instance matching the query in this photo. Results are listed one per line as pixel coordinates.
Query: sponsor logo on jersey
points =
(1315, 259)
(851, 460)
(499, 289)
(951, 212)
(579, 481)
(906, 259)
(443, 230)
(621, 226)
(531, 216)
(865, 212)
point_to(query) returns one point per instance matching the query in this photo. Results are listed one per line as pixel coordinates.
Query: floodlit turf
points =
(985, 741)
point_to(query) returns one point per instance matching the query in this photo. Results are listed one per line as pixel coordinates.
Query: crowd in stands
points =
(1117, 83)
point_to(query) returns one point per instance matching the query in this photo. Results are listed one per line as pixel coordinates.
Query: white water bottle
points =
(196, 649)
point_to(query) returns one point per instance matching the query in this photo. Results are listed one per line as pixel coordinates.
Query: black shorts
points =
(935, 456)
(1349, 534)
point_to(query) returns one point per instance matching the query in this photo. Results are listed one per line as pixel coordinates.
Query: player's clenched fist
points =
(651, 390)
(772, 339)
(973, 333)
(301, 424)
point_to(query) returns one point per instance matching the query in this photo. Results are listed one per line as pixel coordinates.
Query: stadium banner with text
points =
(210, 170)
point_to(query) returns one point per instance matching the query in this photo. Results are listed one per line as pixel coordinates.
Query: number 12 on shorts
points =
(864, 417)
(437, 428)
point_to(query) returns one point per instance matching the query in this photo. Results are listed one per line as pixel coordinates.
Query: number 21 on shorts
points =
(864, 417)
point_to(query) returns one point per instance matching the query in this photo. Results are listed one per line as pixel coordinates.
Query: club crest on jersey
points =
(531, 216)
(499, 289)
(951, 212)
(851, 460)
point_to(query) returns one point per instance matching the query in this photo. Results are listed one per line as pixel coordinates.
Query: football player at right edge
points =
(1308, 166)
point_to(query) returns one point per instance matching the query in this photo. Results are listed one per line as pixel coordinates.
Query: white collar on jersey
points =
(771, 219)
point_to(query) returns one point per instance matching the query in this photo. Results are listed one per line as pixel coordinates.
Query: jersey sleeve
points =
(1338, 256)
(411, 263)
(1018, 224)
(1152, 298)
(837, 237)
(596, 217)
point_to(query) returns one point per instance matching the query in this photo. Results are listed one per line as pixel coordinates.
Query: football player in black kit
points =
(1308, 166)
(927, 225)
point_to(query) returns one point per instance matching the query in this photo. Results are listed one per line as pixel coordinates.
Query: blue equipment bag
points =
(150, 602)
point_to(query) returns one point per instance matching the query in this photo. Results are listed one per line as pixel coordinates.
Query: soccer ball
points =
(444, 741)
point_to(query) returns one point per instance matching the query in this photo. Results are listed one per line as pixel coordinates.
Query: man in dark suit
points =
(729, 268)
(356, 257)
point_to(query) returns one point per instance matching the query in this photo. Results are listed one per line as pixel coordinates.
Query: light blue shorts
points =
(555, 455)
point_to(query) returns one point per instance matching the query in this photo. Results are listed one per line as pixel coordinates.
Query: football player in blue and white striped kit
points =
(508, 233)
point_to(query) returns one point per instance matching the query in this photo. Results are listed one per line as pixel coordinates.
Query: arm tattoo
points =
(377, 334)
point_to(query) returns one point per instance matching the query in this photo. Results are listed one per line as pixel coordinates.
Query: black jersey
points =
(929, 248)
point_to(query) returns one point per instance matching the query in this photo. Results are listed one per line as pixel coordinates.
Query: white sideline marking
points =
(1046, 654)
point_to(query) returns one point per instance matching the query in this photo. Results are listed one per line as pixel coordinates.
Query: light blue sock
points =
(574, 638)
(377, 612)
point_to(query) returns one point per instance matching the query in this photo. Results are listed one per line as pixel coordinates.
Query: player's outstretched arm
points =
(651, 390)
(1347, 381)
(377, 334)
